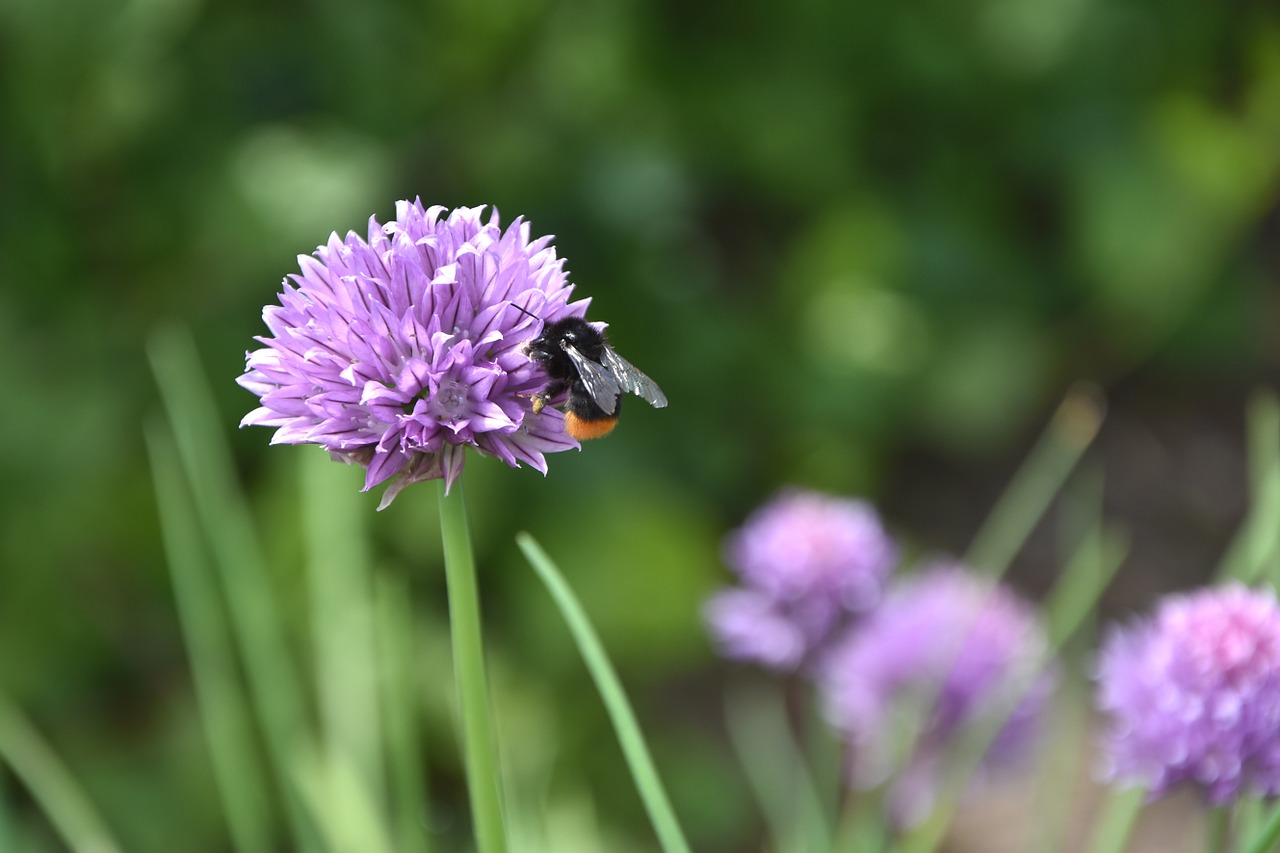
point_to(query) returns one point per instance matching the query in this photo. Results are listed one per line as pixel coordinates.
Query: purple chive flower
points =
(749, 625)
(808, 562)
(1193, 695)
(398, 351)
(946, 650)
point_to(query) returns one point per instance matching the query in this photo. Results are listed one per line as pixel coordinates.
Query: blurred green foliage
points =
(837, 234)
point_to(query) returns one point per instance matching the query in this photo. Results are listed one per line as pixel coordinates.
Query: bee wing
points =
(600, 382)
(631, 379)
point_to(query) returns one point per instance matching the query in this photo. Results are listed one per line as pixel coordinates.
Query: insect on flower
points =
(578, 358)
(395, 349)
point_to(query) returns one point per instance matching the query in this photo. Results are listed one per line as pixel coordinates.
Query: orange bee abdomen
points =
(582, 429)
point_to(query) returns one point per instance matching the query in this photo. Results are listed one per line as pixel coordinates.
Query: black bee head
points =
(541, 348)
(571, 331)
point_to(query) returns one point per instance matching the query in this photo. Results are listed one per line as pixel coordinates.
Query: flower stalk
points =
(483, 780)
(1269, 836)
(1118, 819)
(1219, 840)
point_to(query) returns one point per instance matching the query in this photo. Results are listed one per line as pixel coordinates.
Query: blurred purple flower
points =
(808, 561)
(1193, 695)
(749, 625)
(399, 351)
(946, 650)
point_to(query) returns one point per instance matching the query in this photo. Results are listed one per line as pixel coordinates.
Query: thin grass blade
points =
(342, 628)
(654, 796)
(1253, 552)
(222, 700)
(1268, 838)
(1038, 480)
(401, 706)
(257, 620)
(1061, 765)
(1073, 599)
(8, 836)
(1119, 816)
(51, 784)
(1249, 814)
(339, 803)
(1082, 582)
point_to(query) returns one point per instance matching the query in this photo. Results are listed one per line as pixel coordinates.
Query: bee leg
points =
(539, 401)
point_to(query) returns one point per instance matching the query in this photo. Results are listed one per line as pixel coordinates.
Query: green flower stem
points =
(483, 781)
(1266, 840)
(777, 770)
(1046, 468)
(1247, 817)
(51, 784)
(861, 825)
(1219, 840)
(1251, 555)
(1121, 813)
(1079, 586)
(643, 772)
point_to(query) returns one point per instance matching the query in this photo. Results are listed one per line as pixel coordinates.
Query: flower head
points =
(946, 650)
(399, 350)
(1193, 694)
(807, 562)
(749, 625)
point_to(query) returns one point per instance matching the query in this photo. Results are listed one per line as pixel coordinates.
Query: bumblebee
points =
(578, 358)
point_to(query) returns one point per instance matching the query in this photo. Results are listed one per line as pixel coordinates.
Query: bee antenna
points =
(523, 311)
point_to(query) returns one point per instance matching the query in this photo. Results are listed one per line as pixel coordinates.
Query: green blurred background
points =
(863, 247)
